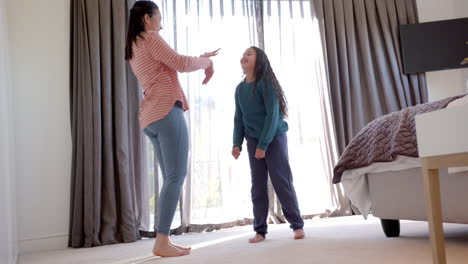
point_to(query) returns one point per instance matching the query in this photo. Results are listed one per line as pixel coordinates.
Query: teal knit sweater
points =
(258, 114)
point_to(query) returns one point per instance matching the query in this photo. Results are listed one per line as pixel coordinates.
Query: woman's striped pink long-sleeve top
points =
(155, 65)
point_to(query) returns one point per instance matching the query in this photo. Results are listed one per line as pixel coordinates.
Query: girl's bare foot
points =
(257, 238)
(299, 234)
(164, 248)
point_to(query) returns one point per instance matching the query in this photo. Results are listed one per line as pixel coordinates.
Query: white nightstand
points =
(442, 143)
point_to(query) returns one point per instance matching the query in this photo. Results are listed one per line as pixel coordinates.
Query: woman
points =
(155, 65)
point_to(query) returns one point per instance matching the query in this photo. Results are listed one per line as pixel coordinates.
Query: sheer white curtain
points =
(220, 185)
(8, 241)
(293, 44)
(217, 189)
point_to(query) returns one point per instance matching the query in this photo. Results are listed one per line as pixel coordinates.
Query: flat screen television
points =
(433, 46)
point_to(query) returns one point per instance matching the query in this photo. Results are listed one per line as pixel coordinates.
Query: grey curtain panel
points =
(329, 146)
(107, 174)
(364, 62)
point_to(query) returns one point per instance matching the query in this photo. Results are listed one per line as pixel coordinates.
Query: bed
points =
(389, 184)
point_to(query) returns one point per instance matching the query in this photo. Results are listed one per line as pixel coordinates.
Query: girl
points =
(155, 65)
(260, 108)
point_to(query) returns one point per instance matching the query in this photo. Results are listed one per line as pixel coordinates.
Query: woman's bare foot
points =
(164, 248)
(257, 238)
(299, 234)
(169, 251)
(179, 246)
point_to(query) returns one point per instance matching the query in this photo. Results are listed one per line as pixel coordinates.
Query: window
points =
(219, 185)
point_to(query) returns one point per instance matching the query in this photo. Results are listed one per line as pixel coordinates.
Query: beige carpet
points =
(348, 240)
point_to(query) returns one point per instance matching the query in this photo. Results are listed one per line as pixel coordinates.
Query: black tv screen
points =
(434, 46)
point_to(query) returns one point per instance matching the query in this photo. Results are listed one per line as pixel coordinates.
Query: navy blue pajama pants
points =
(276, 164)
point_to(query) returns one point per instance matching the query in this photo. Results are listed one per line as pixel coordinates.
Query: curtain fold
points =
(8, 228)
(275, 214)
(364, 62)
(108, 171)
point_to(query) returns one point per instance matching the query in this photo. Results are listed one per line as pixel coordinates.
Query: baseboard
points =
(43, 244)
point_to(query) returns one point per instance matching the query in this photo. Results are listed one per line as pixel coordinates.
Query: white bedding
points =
(458, 102)
(356, 186)
(355, 181)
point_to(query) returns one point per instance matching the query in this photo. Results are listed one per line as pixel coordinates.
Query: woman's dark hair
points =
(263, 71)
(136, 24)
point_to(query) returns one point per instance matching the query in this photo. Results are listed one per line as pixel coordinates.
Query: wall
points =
(8, 229)
(39, 42)
(445, 83)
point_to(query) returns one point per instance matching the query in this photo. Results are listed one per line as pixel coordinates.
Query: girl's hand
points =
(208, 73)
(210, 54)
(236, 152)
(259, 153)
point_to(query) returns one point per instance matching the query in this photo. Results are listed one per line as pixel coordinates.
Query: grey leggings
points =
(170, 141)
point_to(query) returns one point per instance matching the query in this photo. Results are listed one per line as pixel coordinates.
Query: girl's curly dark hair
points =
(263, 71)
